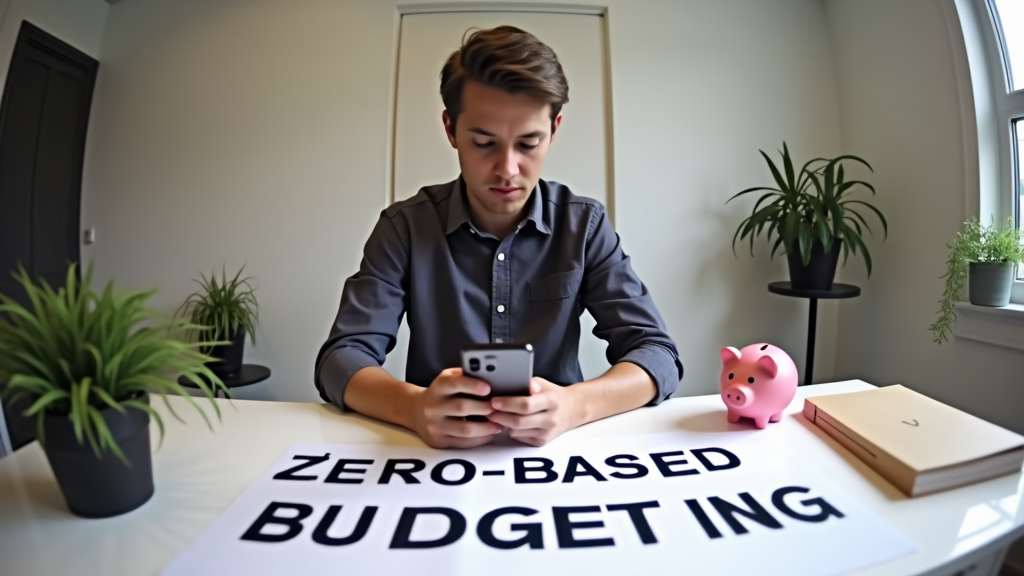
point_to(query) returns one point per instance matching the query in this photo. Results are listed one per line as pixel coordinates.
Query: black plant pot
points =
(228, 357)
(989, 283)
(100, 487)
(819, 272)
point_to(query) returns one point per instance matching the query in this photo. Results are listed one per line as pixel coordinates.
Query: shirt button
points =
(501, 257)
(501, 308)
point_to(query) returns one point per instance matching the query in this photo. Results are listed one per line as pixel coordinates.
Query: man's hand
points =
(539, 418)
(440, 415)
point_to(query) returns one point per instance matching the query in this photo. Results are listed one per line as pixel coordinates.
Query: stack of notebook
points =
(919, 444)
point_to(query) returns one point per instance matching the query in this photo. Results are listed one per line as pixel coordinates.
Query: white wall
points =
(257, 131)
(77, 22)
(899, 107)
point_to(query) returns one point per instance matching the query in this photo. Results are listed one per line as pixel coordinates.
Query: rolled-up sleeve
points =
(372, 304)
(624, 311)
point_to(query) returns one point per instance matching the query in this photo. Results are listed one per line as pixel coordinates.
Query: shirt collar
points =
(458, 208)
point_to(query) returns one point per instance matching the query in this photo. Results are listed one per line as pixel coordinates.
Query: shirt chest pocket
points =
(556, 286)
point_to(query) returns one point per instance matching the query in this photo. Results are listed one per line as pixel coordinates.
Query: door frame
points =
(30, 35)
(537, 7)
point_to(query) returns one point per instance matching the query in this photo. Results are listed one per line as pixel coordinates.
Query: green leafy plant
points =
(811, 205)
(976, 243)
(221, 307)
(76, 352)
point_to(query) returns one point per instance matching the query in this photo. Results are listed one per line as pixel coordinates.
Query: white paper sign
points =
(656, 504)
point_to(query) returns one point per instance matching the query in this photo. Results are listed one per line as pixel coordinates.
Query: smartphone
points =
(507, 368)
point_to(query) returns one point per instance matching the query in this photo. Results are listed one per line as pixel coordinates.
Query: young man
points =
(498, 255)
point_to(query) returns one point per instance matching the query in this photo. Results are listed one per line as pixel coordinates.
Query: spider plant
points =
(221, 308)
(812, 205)
(75, 351)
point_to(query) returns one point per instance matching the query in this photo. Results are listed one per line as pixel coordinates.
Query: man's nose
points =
(508, 164)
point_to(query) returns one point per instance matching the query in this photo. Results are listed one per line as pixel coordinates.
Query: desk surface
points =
(198, 473)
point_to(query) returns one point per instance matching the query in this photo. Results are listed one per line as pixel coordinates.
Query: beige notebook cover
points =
(917, 443)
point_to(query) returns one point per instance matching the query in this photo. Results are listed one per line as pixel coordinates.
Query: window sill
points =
(1000, 326)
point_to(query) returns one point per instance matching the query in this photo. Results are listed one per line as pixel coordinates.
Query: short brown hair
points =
(509, 59)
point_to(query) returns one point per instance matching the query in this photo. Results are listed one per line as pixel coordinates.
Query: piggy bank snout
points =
(738, 395)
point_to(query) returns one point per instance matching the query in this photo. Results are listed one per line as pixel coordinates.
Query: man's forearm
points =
(373, 392)
(624, 387)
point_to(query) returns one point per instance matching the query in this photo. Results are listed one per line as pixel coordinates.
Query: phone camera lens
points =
(474, 364)
(490, 367)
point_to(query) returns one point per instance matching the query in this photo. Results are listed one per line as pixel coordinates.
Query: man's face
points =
(502, 140)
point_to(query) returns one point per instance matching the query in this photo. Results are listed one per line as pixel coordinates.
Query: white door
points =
(578, 158)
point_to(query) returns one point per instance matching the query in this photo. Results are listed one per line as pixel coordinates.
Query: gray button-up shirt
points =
(460, 286)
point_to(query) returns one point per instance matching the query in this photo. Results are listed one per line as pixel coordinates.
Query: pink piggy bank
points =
(757, 382)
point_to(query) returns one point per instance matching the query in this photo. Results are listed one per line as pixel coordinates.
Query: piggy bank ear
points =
(729, 354)
(768, 363)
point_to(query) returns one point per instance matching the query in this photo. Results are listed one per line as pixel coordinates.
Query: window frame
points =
(1006, 106)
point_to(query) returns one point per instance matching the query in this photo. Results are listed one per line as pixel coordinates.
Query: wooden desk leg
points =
(812, 323)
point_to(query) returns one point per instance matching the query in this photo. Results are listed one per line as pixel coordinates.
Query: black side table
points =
(249, 374)
(838, 291)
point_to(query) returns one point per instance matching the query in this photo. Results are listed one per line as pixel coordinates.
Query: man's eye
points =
(483, 144)
(525, 146)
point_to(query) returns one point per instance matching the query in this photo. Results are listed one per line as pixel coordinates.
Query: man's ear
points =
(554, 127)
(449, 130)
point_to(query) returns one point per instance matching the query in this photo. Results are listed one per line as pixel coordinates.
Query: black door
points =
(43, 122)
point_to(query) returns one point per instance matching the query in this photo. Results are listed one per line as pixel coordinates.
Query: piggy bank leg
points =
(733, 416)
(775, 417)
(761, 421)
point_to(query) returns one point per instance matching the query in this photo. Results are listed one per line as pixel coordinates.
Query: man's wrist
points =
(579, 408)
(409, 405)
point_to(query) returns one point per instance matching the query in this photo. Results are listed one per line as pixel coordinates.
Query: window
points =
(1005, 39)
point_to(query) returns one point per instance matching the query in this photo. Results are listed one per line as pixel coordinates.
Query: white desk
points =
(198, 473)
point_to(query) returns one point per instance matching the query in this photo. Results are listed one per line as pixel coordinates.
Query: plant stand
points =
(249, 374)
(838, 291)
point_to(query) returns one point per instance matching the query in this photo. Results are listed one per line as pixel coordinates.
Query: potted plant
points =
(812, 215)
(221, 313)
(87, 363)
(986, 256)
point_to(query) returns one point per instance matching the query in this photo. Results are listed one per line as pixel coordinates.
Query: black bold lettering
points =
(362, 525)
(702, 517)
(666, 467)
(636, 514)
(456, 528)
(564, 527)
(756, 512)
(468, 472)
(391, 468)
(289, 474)
(614, 462)
(340, 468)
(533, 535)
(269, 516)
(825, 510)
(731, 460)
(544, 466)
(578, 466)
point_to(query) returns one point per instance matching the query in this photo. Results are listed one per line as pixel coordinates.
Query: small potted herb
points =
(812, 214)
(221, 313)
(985, 256)
(87, 363)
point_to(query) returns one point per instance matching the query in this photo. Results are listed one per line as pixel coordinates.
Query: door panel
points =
(577, 159)
(23, 108)
(43, 122)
